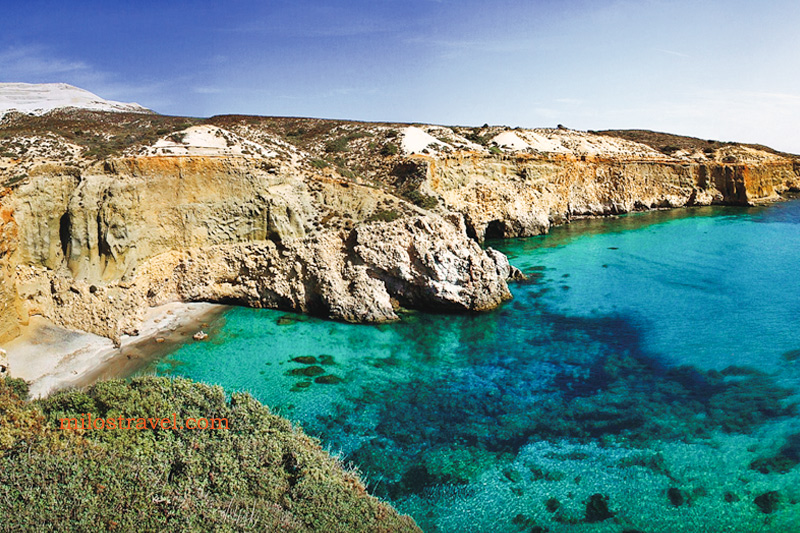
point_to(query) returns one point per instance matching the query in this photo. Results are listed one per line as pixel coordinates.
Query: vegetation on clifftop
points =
(669, 143)
(261, 474)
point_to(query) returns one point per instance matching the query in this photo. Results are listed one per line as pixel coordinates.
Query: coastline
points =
(51, 358)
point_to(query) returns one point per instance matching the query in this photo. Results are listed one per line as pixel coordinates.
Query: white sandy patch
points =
(455, 140)
(580, 143)
(207, 140)
(285, 151)
(510, 141)
(39, 98)
(543, 143)
(53, 358)
(416, 140)
(747, 154)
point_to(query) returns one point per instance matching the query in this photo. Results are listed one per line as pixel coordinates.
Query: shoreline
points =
(52, 358)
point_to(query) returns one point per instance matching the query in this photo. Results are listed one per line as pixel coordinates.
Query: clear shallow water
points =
(645, 377)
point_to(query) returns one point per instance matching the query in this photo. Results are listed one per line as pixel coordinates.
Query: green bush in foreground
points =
(261, 474)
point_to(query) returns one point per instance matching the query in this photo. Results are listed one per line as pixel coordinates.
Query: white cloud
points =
(480, 45)
(31, 63)
(569, 101)
(207, 90)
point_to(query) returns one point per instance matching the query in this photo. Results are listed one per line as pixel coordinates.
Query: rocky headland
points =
(106, 214)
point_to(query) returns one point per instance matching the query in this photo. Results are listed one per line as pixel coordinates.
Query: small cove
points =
(645, 377)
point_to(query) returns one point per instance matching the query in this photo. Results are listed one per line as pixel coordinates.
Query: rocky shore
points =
(344, 220)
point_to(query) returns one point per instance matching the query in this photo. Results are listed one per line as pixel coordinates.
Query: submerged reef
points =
(614, 392)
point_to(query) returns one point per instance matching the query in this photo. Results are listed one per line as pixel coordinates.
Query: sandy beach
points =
(51, 358)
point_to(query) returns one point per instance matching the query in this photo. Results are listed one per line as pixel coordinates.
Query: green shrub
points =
(383, 215)
(261, 474)
(337, 145)
(340, 144)
(475, 137)
(177, 137)
(422, 200)
(390, 149)
(18, 387)
(669, 149)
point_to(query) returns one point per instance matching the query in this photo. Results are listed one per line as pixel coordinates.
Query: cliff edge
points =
(105, 214)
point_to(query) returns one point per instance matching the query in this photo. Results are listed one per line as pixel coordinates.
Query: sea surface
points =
(646, 377)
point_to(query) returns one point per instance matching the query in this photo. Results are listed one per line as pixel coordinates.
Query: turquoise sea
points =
(645, 378)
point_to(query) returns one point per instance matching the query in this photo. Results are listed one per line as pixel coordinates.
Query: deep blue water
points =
(646, 377)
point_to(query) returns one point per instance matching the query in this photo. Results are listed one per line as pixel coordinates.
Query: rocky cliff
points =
(520, 196)
(91, 249)
(103, 215)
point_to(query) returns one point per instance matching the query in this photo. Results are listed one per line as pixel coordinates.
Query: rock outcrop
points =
(3, 363)
(345, 220)
(93, 251)
(519, 196)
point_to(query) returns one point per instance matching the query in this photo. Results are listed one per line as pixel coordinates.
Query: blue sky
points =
(716, 69)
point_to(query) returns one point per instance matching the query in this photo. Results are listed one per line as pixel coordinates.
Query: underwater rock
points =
(547, 475)
(325, 359)
(384, 362)
(654, 462)
(792, 355)
(309, 371)
(305, 360)
(512, 475)
(741, 405)
(730, 497)
(676, 496)
(552, 505)
(530, 278)
(767, 502)
(734, 370)
(597, 509)
(527, 522)
(301, 385)
(697, 492)
(329, 379)
(768, 465)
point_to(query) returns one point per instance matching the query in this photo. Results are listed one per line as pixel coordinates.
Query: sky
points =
(714, 69)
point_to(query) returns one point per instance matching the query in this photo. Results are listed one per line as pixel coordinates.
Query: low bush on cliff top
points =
(260, 474)
(100, 134)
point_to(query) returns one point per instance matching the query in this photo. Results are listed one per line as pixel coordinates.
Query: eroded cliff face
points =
(92, 251)
(329, 218)
(521, 196)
